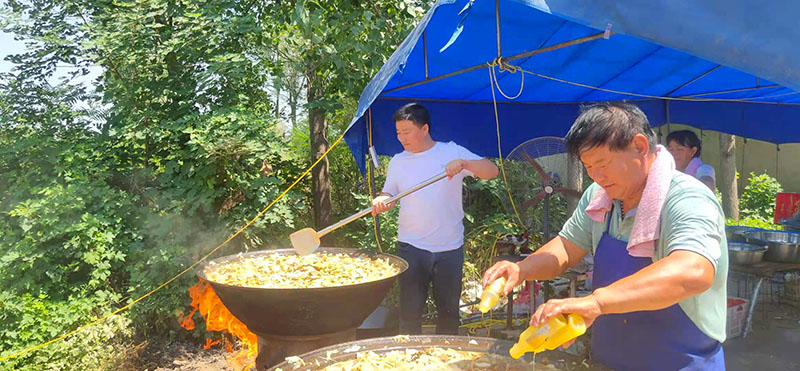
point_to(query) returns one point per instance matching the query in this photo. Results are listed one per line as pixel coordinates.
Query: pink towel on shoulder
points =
(648, 214)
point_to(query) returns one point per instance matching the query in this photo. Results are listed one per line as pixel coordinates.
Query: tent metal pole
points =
(564, 44)
(666, 107)
(731, 91)
(425, 51)
(744, 156)
(693, 80)
(497, 20)
(374, 190)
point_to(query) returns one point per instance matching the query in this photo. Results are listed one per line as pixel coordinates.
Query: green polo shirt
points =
(691, 219)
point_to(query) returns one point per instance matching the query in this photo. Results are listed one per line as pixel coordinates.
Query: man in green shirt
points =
(659, 299)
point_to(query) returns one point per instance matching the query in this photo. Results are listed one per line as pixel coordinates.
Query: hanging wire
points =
(492, 84)
(660, 97)
(510, 68)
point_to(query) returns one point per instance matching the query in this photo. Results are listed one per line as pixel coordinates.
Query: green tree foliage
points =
(100, 207)
(337, 46)
(178, 149)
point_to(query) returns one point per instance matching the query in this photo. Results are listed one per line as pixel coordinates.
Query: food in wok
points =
(295, 272)
(429, 359)
(433, 358)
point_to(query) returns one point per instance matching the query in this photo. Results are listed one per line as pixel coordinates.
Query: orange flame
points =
(210, 343)
(218, 318)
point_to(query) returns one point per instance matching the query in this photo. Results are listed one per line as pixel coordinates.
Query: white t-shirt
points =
(430, 218)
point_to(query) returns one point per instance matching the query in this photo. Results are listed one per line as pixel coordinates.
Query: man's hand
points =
(454, 167)
(505, 269)
(379, 204)
(587, 307)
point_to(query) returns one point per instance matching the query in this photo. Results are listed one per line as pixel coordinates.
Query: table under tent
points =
(497, 74)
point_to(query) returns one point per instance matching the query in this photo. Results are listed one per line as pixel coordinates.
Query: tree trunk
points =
(320, 176)
(727, 176)
(574, 181)
(293, 107)
(277, 99)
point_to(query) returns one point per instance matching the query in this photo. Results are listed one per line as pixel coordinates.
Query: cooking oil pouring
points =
(549, 335)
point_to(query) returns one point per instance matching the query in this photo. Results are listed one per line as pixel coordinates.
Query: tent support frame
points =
(562, 45)
(693, 80)
(731, 91)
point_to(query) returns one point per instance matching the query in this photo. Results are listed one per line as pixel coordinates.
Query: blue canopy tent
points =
(714, 65)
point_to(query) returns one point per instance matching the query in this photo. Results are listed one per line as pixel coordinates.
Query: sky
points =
(8, 46)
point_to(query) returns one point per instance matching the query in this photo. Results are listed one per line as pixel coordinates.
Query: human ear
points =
(641, 145)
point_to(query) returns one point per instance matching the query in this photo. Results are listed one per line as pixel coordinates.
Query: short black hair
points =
(611, 124)
(415, 113)
(686, 138)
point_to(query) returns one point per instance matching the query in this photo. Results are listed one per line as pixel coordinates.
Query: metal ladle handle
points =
(368, 210)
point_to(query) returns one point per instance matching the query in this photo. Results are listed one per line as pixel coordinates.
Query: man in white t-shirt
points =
(430, 229)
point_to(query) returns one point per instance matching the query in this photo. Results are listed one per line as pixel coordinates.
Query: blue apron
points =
(664, 339)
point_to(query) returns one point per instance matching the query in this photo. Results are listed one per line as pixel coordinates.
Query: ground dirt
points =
(182, 356)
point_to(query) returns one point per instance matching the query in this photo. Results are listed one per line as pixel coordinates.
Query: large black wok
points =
(327, 356)
(303, 312)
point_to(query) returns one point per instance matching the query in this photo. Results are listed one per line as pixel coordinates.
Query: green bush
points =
(84, 231)
(758, 198)
(753, 222)
(99, 347)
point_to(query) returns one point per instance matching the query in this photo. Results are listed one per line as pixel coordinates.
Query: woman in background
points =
(685, 147)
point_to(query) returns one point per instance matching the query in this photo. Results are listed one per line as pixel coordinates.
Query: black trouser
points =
(444, 270)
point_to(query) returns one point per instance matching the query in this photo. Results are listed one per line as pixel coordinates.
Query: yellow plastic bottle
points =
(551, 335)
(491, 294)
(533, 338)
(575, 327)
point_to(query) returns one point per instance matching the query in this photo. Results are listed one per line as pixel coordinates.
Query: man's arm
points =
(659, 285)
(550, 260)
(680, 275)
(483, 168)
